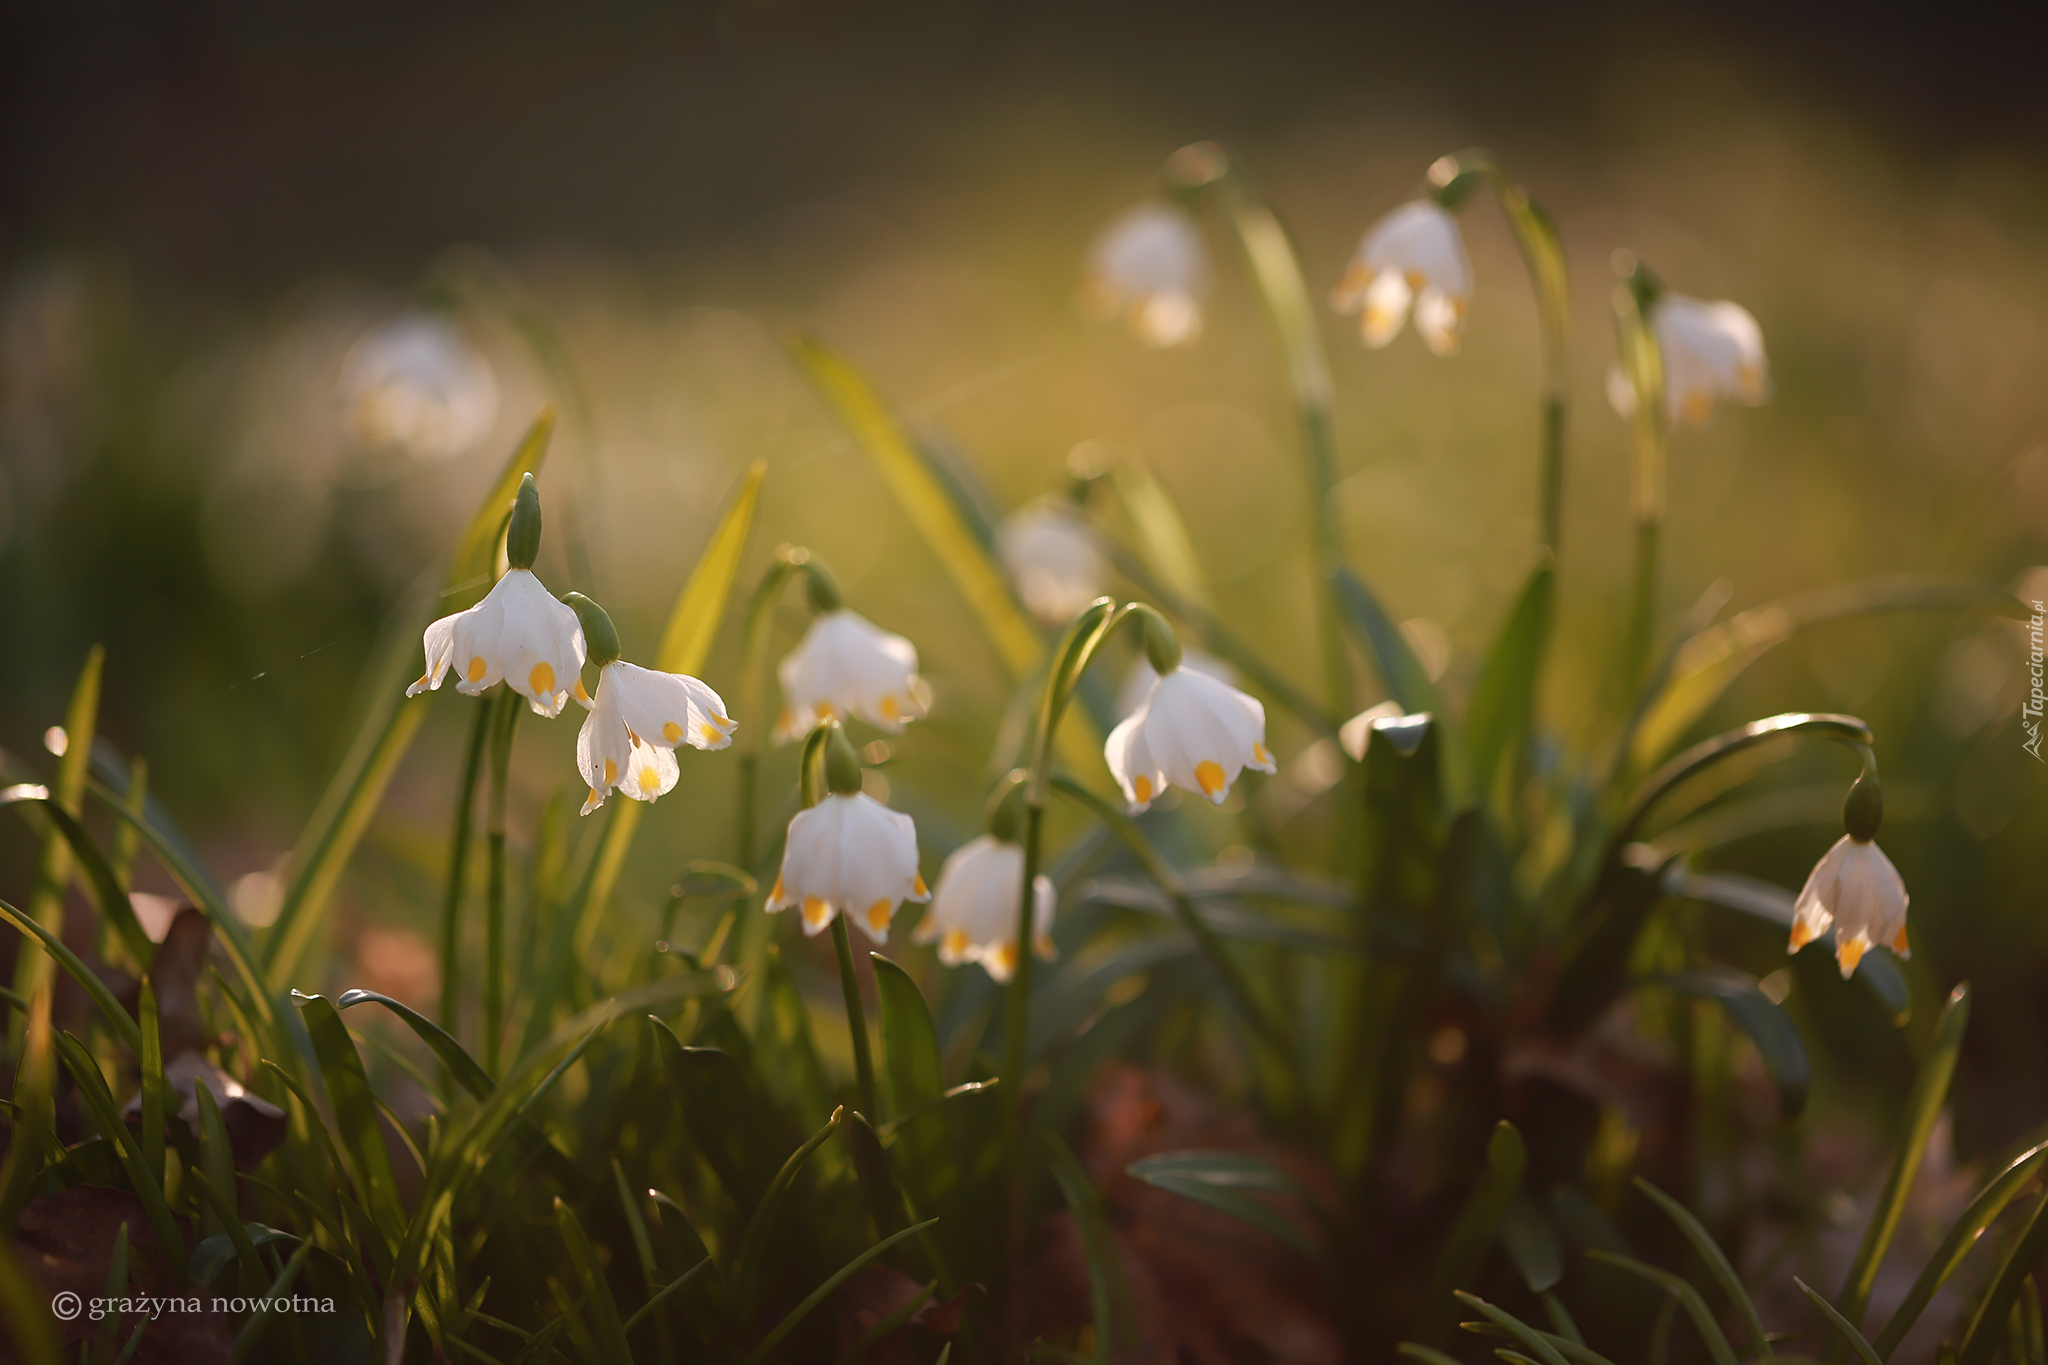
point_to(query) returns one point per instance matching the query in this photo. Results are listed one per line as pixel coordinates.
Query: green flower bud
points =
(1863, 812)
(1162, 646)
(600, 637)
(522, 533)
(820, 587)
(1640, 281)
(842, 764)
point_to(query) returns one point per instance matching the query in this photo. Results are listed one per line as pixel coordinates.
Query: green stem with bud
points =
(1643, 364)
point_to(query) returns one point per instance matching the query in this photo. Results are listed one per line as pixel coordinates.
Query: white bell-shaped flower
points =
(519, 633)
(1415, 256)
(849, 855)
(1148, 267)
(415, 383)
(1137, 685)
(1052, 559)
(846, 665)
(1855, 890)
(637, 719)
(1710, 351)
(975, 907)
(1192, 731)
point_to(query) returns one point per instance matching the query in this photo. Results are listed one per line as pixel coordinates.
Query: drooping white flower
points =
(1415, 255)
(849, 855)
(519, 633)
(1052, 559)
(415, 383)
(1192, 731)
(1148, 267)
(637, 719)
(975, 907)
(846, 665)
(1855, 890)
(1139, 682)
(1710, 351)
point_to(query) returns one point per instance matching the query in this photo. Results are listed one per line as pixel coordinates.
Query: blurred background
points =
(217, 225)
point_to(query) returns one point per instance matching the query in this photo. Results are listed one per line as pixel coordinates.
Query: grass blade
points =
(1464, 1250)
(152, 1079)
(908, 1038)
(1230, 1182)
(1162, 535)
(355, 1112)
(754, 1242)
(1769, 1027)
(105, 884)
(387, 731)
(110, 1009)
(1504, 702)
(662, 1294)
(1841, 1324)
(1401, 673)
(92, 1088)
(1105, 1272)
(727, 1121)
(1521, 1331)
(33, 971)
(609, 1331)
(1923, 1107)
(460, 1064)
(1716, 1261)
(1988, 1325)
(824, 1291)
(1988, 1203)
(1684, 1295)
(32, 1124)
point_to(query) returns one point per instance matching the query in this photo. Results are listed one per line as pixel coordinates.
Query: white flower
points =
(1053, 560)
(519, 633)
(1855, 889)
(849, 855)
(1148, 268)
(1194, 732)
(1414, 254)
(1710, 351)
(846, 665)
(1139, 682)
(415, 383)
(975, 907)
(629, 739)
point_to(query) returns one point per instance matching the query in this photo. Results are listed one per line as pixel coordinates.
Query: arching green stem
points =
(1704, 755)
(1204, 170)
(813, 786)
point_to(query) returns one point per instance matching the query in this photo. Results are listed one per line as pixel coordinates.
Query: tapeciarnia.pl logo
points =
(2030, 710)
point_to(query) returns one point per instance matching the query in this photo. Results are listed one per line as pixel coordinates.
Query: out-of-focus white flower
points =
(187, 1071)
(849, 855)
(846, 665)
(1139, 682)
(1355, 734)
(1414, 255)
(414, 382)
(975, 907)
(639, 716)
(1710, 351)
(519, 633)
(1052, 559)
(1193, 731)
(1148, 267)
(1855, 890)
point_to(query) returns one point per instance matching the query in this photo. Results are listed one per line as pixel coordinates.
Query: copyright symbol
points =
(66, 1305)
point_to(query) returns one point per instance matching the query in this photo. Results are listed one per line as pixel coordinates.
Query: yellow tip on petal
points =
(581, 695)
(917, 887)
(890, 710)
(1802, 934)
(1259, 754)
(955, 943)
(776, 894)
(1849, 953)
(632, 738)
(1001, 961)
(816, 911)
(1899, 944)
(824, 709)
(476, 668)
(650, 781)
(1210, 774)
(1141, 787)
(712, 734)
(611, 773)
(542, 680)
(878, 916)
(671, 732)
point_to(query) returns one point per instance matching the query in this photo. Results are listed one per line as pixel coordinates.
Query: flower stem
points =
(753, 663)
(1642, 613)
(1016, 1031)
(458, 877)
(856, 1019)
(508, 708)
